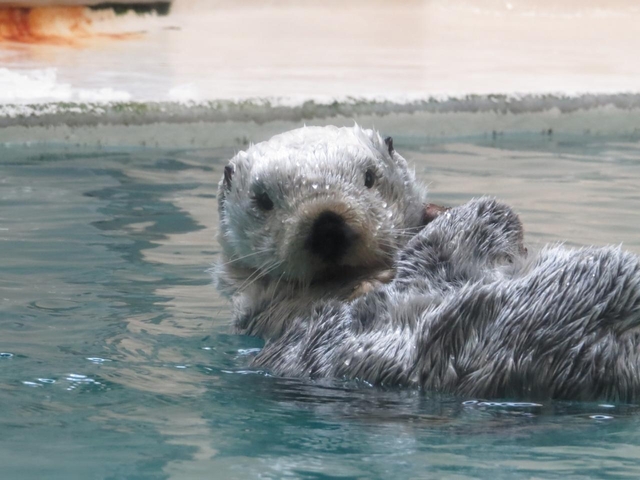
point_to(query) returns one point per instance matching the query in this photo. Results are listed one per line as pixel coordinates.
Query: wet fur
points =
(265, 268)
(468, 312)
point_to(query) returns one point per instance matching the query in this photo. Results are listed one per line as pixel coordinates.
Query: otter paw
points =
(433, 211)
(483, 230)
(370, 284)
(488, 228)
(498, 232)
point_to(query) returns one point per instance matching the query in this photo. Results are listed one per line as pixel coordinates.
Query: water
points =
(119, 360)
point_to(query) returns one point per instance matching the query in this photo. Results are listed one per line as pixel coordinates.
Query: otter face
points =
(318, 203)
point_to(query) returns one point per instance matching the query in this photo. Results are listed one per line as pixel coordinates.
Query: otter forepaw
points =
(497, 231)
(433, 211)
(370, 284)
(489, 229)
(480, 232)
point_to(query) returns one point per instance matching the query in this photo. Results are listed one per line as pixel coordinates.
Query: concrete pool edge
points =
(229, 123)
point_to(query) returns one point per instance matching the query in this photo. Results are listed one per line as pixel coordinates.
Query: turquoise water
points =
(119, 361)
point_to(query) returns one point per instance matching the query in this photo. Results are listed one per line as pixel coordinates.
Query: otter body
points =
(465, 310)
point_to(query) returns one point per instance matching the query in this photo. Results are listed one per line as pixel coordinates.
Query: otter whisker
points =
(261, 274)
(234, 260)
(257, 272)
(402, 231)
(273, 294)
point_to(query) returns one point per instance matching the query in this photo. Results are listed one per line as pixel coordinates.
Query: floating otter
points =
(455, 306)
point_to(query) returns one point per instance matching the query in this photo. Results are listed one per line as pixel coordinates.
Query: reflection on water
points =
(118, 360)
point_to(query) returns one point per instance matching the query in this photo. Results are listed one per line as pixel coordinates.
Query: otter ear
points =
(389, 143)
(225, 185)
(229, 170)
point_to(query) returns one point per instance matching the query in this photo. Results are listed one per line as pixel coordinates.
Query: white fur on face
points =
(303, 173)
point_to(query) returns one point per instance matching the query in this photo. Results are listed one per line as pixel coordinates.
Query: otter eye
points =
(369, 178)
(263, 201)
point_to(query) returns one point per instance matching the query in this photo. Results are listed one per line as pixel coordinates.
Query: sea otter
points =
(454, 305)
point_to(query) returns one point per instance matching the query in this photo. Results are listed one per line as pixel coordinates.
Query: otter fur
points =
(314, 214)
(464, 311)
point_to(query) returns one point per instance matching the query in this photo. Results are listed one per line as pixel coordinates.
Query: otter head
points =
(317, 203)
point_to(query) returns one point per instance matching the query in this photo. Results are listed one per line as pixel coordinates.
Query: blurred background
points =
(326, 57)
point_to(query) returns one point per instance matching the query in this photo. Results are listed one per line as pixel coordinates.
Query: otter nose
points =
(330, 237)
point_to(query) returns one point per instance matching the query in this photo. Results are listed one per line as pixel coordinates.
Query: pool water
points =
(119, 361)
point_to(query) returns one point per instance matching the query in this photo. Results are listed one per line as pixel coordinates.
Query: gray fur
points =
(264, 268)
(469, 313)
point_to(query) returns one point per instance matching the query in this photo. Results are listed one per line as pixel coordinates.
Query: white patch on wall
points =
(184, 92)
(42, 85)
(103, 95)
(18, 87)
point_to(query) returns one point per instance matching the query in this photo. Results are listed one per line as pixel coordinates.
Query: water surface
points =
(119, 360)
